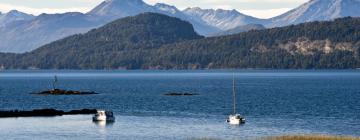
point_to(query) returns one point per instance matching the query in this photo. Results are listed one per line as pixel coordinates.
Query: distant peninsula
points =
(45, 113)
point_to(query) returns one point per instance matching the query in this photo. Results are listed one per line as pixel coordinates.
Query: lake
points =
(273, 102)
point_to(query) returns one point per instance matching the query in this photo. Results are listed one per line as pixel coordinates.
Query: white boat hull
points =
(99, 118)
(104, 116)
(235, 120)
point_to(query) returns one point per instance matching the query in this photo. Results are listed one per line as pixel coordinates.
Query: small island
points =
(56, 91)
(180, 94)
(65, 92)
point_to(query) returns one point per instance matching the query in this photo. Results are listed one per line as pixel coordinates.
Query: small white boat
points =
(103, 115)
(235, 119)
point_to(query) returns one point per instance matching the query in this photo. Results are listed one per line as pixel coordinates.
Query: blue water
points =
(273, 102)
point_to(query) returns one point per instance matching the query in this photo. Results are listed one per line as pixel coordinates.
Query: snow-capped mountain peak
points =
(18, 15)
(137, 2)
(120, 8)
(168, 8)
(222, 19)
(217, 12)
(14, 16)
(14, 12)
(200, 26)
(318, 10)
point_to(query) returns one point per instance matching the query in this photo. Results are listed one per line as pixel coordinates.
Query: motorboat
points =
(103, 115)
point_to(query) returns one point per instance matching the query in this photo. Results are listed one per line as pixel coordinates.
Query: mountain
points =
(317, 10)
(154, 41)
(200, 26)
(315, 45)
(31, 34)
(240, 29)
(222, 19)
(110, 43)
(45, 28)
(20, 32)
(113, 9)
(14, 16)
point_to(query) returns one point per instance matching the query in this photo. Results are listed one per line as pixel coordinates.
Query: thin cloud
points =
(36, 11)
(264, 14)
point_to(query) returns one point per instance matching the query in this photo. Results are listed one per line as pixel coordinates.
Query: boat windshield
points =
(109, 113)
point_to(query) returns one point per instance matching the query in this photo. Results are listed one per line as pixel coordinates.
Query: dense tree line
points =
(154, 41)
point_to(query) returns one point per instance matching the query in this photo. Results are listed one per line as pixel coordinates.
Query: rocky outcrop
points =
(306, 46)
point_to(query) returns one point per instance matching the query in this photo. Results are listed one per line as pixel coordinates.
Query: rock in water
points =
(64, 92)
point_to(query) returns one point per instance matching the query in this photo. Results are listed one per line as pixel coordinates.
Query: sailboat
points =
(235, 118)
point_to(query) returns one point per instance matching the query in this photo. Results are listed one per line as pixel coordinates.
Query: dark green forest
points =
(155, 41)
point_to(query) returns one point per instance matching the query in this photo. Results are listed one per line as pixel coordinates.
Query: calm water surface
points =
(273, 102)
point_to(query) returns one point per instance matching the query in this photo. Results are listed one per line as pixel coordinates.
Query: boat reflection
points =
(103, 123)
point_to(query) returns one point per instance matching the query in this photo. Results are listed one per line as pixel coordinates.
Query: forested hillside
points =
(154, 41)
(320, 45)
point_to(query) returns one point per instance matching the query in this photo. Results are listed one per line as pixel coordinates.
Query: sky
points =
(256, 8)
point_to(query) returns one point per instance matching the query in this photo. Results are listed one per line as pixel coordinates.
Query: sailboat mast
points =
(54, 82)
(234, 95)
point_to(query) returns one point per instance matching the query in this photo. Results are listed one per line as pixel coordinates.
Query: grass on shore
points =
(311, 138)
(300, 137)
